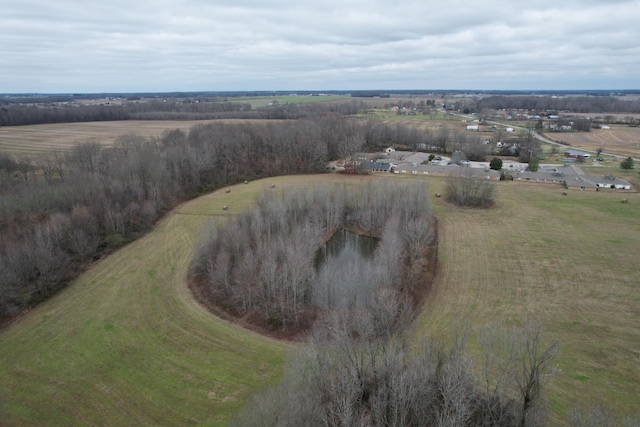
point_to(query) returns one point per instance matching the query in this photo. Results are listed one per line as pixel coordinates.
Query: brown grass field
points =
(34, 139)
(127, 344)
(621, 140)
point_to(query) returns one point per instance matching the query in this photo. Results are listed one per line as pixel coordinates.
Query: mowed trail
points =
(126, 344)
(569, 261)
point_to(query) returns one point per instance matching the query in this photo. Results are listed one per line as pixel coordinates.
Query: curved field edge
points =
(127, 343)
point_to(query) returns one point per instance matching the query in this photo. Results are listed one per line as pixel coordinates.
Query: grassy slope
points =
(570, 261)
(126, 343)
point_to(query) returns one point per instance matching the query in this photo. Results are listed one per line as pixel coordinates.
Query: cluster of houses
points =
(418, 163)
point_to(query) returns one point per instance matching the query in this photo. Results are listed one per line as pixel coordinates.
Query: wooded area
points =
(574, 104)
(59, 212)
(360, 368)
(18, 114)
(263, 260)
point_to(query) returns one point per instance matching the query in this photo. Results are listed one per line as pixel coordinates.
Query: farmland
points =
(127, 342)
(34, 139)
(620, 140)
(262, 101)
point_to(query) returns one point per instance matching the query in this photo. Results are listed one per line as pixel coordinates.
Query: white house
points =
(472, 127)
(509, 129)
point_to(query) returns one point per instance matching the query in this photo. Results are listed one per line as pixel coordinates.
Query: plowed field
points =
(36, 139)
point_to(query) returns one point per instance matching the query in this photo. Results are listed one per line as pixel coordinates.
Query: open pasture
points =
(424, 123)
(570, 261)
(621, 140)
(127, 344)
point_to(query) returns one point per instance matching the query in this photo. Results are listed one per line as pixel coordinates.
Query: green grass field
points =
(262, 101)
(570, 261)
(126, 343)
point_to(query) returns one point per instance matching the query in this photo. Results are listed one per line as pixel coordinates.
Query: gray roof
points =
(375, 166)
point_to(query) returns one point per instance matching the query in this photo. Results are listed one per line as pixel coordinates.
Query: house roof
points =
(377, 166)
(577, 153)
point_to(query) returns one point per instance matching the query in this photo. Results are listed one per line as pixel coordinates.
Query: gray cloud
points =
(73, 46)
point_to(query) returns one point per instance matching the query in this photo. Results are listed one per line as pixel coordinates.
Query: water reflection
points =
(345, 247)
(343, 270)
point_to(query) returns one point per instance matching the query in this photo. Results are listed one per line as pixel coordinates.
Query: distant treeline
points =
(370, 94)
(574, 104)
(171, 109)
(60, 211)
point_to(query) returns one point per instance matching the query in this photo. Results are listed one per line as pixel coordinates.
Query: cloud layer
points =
(185, 45)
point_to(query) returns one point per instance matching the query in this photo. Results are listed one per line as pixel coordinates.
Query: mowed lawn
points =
(126, 344)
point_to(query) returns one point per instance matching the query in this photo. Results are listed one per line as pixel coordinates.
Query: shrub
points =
(495, 164)
(114, 241)
(466, 190)
(627, 163)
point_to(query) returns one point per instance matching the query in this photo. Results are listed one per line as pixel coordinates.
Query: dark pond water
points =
(344, 269)
(344, 248)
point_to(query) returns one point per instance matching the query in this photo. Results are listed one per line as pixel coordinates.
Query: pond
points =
(342, 267)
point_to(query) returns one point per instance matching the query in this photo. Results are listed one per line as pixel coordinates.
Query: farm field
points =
(127, 344)
(262, 101)
(620, 140)
(34, 139)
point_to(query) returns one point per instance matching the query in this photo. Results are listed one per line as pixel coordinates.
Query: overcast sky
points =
(74, 46)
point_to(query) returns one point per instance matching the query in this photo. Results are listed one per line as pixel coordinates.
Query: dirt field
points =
(621, 140)
(35, 139)
(127, 344)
